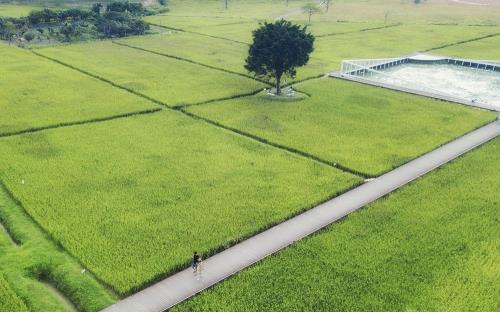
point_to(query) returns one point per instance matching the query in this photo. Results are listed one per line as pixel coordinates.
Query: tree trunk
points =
(278, 84)
(309, 17)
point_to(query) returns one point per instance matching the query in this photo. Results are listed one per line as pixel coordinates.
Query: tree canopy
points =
(278, 49)
(118, 19)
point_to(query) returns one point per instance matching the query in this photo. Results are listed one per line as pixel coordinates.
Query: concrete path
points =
(185, 284)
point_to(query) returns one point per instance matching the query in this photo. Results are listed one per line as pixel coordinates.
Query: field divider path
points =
(360, 30)
(80, 122)
(198, 33)
(190, 61)
(185, 284)
(180, 110)
(461, 42)
(276, 145)
(101, 79)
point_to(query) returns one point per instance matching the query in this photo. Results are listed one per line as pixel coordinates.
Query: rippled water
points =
(458, 81)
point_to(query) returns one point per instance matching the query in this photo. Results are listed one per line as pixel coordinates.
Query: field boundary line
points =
(360, 30)
(198, 33)
(51, 239)
(183, 285)
(101, 78)
(462, 42)
(209, 121)
(277, 145)
(9, 233)
(181, 109)
(158, 102)
(221, 99)
(80, 122)
(188, 61)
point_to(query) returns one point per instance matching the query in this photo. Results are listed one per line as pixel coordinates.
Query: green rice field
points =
(34, 267)
(431, 246)
(168, 80)
(485, 49)
(141, 188)
(121, 157)
(35, 92)
(329, 50)
(9, 302)
(13, 10)
(349, 124)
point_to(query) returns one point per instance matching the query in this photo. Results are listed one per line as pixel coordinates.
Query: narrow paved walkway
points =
(185, 284)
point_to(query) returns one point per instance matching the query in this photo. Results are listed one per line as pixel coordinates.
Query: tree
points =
(96, 8)
(310, 9)
(8, 30)
(30, 35)
(327, 4)
(226, 3)
(277, 49)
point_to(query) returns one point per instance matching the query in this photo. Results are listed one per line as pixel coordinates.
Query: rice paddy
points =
(14, 10)
(9, 302)
(37, 93)
(164, 79)
(143, 188)
(121, 157)
(431, 246)
(349, 124)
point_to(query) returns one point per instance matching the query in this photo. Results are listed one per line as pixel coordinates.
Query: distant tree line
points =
(116, 19)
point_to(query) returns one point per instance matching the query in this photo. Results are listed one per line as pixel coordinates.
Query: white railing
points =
(365, 70)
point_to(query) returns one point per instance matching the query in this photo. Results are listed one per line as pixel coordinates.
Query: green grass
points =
(168, 80)
(132, 198)
(484, 49)
(38, 259)
(329, 51)
(35, 92)
(234, 28)
(390, 42)
(436, 11)
(9, 301)
(191, 23)
(364, 128)
(219, 53)
(15, 10)
(431, 246)
(255, 9)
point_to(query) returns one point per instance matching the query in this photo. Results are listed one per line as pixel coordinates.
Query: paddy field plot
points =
(132, 198)
(391, 42)
(484, 49)
(234, 28)
(367, 129)
(329, 51)
(429, 12)
(431, 246)
(195, 23)
(9, 301)
(219, 53)
(35, 92)
(168, 80)
(31, 262)
(14, 10)
(255, 9)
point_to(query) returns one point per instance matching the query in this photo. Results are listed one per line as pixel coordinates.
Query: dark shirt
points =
(196, 258)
